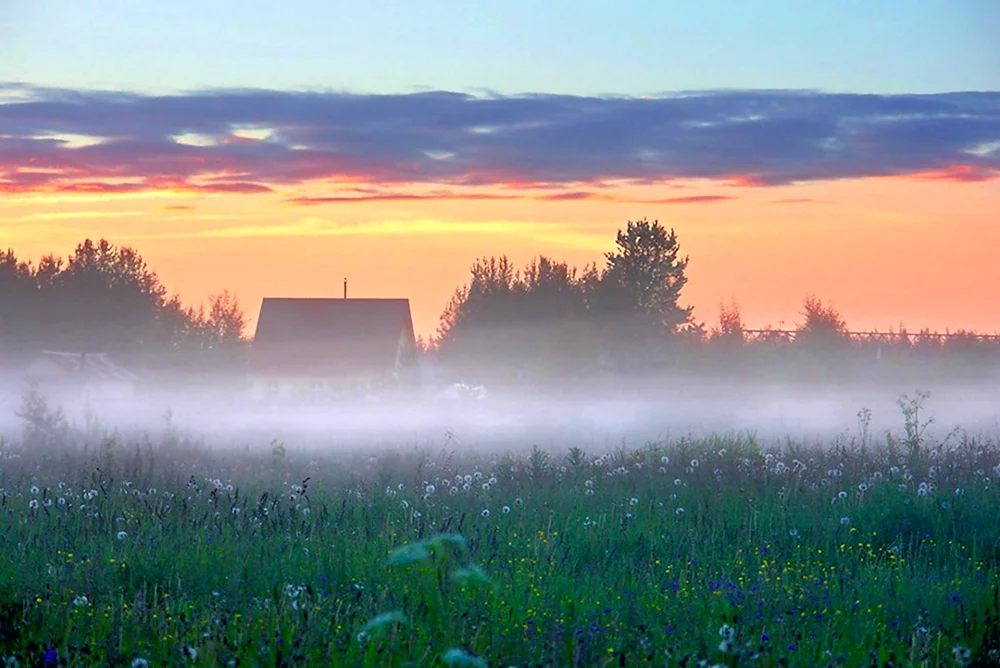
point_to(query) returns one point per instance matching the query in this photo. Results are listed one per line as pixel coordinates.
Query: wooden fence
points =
(925, 338)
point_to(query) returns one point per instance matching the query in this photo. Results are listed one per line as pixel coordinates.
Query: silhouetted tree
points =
(730, 327)
(105, 298)
(525, 321)
(18, 296)
(823, 325)
(226, 321)
(479, 307)
(644, 277)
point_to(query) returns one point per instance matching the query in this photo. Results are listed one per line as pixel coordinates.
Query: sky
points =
(849, 150)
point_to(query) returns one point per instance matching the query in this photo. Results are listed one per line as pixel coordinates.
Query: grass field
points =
(695, 552)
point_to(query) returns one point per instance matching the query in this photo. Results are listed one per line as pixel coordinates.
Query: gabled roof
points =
(95, 366)
(320, 337)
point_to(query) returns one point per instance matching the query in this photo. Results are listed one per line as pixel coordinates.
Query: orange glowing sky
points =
(845, 150)
(917, 250)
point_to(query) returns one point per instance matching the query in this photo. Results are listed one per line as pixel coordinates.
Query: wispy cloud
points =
(693, 199)
(799, 200)
(438, 195)
(396, 197)
(256, 141)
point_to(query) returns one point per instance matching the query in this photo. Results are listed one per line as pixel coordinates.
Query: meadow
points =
(161, 549)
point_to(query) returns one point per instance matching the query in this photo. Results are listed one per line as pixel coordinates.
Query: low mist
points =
(596, 417)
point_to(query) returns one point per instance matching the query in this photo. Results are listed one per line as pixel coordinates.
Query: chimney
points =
(345, 288)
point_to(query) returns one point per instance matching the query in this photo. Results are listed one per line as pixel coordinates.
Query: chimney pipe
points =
(345, 288)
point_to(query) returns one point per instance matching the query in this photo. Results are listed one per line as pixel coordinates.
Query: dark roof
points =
(322, 337)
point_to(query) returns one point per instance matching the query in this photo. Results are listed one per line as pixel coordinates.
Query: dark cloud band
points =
(250, 141)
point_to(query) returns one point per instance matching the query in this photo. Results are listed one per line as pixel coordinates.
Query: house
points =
(310, 348)
(76, 375)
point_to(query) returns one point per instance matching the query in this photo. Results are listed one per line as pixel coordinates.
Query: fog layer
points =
(664, 408)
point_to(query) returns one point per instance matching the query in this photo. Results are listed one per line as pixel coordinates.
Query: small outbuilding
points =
(79, 375)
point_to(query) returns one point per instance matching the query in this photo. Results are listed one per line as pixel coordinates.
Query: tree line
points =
(549, 319)
(546, 319)
(104, 298)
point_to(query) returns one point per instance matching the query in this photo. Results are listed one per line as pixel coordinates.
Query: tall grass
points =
(721, 550)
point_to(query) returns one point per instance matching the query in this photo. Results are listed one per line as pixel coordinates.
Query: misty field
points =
(141, 551)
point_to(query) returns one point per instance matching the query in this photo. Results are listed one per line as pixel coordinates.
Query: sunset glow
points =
(883, 202)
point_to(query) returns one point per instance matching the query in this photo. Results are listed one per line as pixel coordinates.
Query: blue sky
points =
(590, 47)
